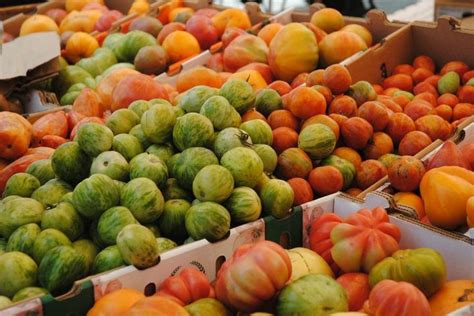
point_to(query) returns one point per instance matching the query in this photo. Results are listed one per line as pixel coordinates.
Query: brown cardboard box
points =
(443, 41)
(468, 23)
(28, 59)
(455, 8)
(10, 11)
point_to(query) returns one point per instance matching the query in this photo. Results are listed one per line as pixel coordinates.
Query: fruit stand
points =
(186, 158)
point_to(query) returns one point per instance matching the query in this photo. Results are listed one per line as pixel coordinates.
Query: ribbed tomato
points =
(189, 286)
(320, 240)
(390, 298)
(252, 277)
(364, 239)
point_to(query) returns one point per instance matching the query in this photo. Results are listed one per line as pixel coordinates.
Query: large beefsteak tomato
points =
(320, 237)
(422, 267)
(252, 277)
(364, 239)
(390, 298)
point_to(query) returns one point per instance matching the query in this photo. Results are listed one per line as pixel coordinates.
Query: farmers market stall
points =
(186, 158)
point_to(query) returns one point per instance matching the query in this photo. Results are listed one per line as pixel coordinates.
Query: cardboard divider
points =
(33, 117)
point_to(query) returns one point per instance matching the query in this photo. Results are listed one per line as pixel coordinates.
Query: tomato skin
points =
(357, 288)
(116, 302)
(52, 141)
(364, 239)
(189, 286)
(20, 165)
(320, 239)
(252, 277)
(51, 124)
(423, 267)
(156, 306)
(390, 298)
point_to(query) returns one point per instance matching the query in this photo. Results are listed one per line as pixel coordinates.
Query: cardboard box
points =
(376, 22)
(463, 135)
(27, 60)
(35, 101)
(7, 12)
(468, 23)
(443, 41)
(208, 257)
(455, 8)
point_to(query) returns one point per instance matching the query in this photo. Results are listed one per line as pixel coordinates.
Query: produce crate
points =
(155, 7)
(33, 117)
(7, 12)
(455, 8)
(289, 232)
(13, 24)
(376, 22)
(444, 41)
(34, 101)
(201, 254)
(402, 47)
(463, 135)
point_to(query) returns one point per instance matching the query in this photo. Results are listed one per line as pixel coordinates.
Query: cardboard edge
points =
(33, 117)
(465, 127)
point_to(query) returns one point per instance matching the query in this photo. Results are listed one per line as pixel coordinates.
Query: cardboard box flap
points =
(28, 52)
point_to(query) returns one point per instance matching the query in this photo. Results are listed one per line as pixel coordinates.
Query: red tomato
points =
(357, 288)
(254, 274)
(189, 286)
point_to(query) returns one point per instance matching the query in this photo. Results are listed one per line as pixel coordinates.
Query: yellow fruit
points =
(363, 32)
(38, 23)
(293, 50)
(80, 45)
(77, 5)
(470, 212)
(139, 7)
(327, 19)
(305, 261)
(452, 296)
(180, 45)
(445, 192)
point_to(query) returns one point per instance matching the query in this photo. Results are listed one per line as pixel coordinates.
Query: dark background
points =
(7, 3)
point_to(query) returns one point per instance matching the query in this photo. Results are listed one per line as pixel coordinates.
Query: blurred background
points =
(348, 7)
(402, 10)
(405, 10)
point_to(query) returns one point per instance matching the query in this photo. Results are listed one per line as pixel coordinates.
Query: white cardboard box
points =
(207, 257)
